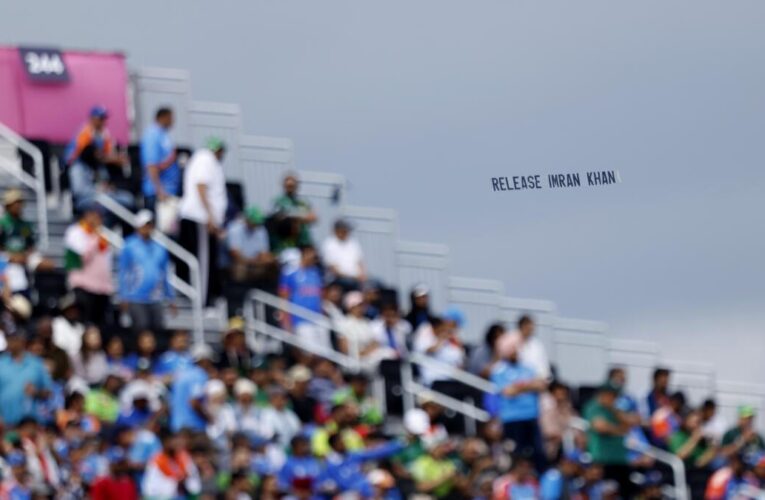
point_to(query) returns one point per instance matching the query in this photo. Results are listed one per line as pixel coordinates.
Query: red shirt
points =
(114, 488)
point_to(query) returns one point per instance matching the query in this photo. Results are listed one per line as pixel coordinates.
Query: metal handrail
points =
(673, 461)
(37, 183)
(454, 373)
(263, 298)
(191, 290)
(467, 409)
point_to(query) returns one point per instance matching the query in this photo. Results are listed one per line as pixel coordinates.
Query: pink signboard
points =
(54, 110)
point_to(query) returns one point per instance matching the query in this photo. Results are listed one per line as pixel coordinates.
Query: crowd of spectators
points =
(98, 399)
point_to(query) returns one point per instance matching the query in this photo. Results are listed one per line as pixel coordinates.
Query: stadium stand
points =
(347, 374)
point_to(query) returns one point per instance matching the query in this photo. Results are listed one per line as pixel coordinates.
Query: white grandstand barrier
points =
(156, 87)
(376, 229)
(580, 350)
(264, 162)
(480, 301)
(423, 263)
(192, 290)
(325, 192)
(219, 119)
(36, 182)
(465, 408)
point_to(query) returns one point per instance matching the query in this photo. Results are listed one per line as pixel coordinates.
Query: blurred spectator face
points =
(145, 230)
(179, 341)
(560, 393)
(45, 328)
(661, 380)
(677, 402)
(334, 293)
(492, 432)
(278, 400)
(72, 314)
(36, 347)
(166, 120)
(220, 154)
(115, 348)
(15, 209)
(112, 384)
(421, 301)
(441, 450)
(618, 377)
(342, 232)
(260, 376)
(526, 328)
(607, 398)
(433, 410)
(359, 386)
(692, 421)
(301, 447)
(308, 256)
(324, 368)
(92, 218)
(390, 315)
(98, 122)
(708, 410)
(245, 399)
(524, 469)
(16, 344)
(442, 329)
(146, 343)
(91, 339)
(472, 449)
(290, 185)
(593, 473)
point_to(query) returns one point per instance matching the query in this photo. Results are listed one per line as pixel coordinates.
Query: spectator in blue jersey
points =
(176, 357)
(301, 466)
(23, 378)
(161, 173)
(248, 245)
(517, 404)
(187, 394)
(144, 277)
(303, 287)
(343, 471)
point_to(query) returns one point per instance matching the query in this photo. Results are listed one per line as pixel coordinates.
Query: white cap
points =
(215, 387)
(353, 299)
(202, 351)
(416, 422)
(21, 306)
(420, 290)
(143, 217)
(140, 389)
(244, 386)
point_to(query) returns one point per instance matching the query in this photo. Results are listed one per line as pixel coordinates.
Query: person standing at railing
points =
(608, 428)
(17, 239)
(88, 261)
(89, 156)
(161, 173)
(532, 351)
(144, 278)
(303, 287)
(202, 211)
(292, 216)
(517, 403)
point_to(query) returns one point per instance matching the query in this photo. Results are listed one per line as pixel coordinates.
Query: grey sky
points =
(420, 103)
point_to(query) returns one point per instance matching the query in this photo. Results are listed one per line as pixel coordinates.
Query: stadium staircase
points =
(581, 350)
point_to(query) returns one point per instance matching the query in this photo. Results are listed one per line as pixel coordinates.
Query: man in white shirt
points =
(533, 352)
(67, 327)
(202, 211)
(343, 256)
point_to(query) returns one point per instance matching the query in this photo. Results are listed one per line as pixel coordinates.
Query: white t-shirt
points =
(345, 256)
(204, 168)
(534, 355)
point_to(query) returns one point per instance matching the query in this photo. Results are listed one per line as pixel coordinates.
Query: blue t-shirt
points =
(189, 383)
(171, 361)
(156, 146)
(304, 289)
(524, 406)
(14, 376)
(143, 272)
(247, 241)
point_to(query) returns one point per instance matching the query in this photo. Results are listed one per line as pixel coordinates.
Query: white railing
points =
(255, 309)
(673, 461)
(36, 183)
(255, 316)
(191, 290)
